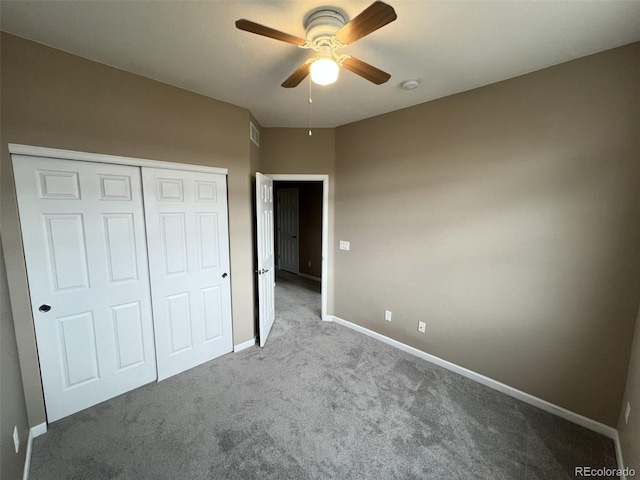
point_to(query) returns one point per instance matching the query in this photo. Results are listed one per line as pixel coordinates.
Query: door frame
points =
(294, 177)
(16, 149)
(19, 295)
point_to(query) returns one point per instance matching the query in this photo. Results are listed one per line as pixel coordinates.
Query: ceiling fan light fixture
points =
(324, 71)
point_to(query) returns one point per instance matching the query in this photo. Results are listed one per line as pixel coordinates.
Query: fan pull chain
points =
(310, 102)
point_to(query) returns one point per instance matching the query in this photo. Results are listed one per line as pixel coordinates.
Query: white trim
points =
(325, 225)
(39, 430)
(310, 277)
(561, 412)
(619, 458)
(33, 433)
(17, 149)
(27, 458)
(244, 345)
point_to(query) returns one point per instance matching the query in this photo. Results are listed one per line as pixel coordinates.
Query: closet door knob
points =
(224, 275)
(44, 308)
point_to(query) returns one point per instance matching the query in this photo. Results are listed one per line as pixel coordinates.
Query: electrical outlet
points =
(422, 327)
(627, 412)
(344, 245)
(387, 315)
(16, 439)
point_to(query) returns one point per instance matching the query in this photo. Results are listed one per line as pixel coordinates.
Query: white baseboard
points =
(310, 277)
(39, 430)
(561, 412)
(33, 433)
(244, 345)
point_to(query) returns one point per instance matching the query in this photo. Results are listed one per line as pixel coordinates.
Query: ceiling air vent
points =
(254, 134)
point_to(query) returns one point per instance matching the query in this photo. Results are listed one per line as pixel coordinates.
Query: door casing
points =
(279, 177)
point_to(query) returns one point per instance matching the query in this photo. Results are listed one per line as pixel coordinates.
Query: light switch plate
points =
(16, 439)
(344, 245)
(627, 412)
(387, 315)
(422, 327)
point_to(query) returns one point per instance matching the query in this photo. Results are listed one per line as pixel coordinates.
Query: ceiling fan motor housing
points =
(322, 24)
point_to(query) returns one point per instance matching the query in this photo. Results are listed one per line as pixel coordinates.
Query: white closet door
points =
(84, 241)
(187, 234)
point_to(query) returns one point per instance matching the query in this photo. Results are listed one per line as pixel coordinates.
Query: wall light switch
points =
(627, 412)
(16, 439)
(344, 245)
(422, 327)
(387, 315)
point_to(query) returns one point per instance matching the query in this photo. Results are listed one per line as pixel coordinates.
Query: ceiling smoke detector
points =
(410, 84)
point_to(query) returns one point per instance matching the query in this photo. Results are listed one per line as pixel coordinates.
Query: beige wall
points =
(13, 412)
(506, 218)
(292, 150)
(630, 433)
(53, 99)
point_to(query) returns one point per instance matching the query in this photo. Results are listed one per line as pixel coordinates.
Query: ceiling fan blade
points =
(252, 27)
(375, 16)
(297, 76)
(366, 71)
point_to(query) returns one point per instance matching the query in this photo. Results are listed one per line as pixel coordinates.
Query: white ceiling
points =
(449, 46)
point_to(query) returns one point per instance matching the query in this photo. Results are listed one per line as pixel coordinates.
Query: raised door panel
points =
(121, 247)
(79, 348)
(212, 311)
(173, 235)
(66, 251)
(128, 329)
(178, 315)
(207, 236)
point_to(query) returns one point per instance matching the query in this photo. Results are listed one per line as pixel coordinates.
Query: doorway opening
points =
(298, 239)
(268, 261)
(302, 211)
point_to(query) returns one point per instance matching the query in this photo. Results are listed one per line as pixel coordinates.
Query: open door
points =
(266, 270)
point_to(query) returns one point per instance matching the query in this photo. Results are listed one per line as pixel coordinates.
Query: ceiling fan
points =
(326, 32)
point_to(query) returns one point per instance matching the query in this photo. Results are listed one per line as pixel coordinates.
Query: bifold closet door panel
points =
(188, 244)
(86, 255)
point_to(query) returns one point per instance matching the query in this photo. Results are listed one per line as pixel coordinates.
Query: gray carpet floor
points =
(318, 402)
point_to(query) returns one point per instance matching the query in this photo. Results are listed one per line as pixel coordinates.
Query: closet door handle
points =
(44, 308)
(224, 275)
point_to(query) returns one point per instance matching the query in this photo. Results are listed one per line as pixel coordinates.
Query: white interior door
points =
(84, 242)
(187, 231)
(266, 270)
(288, 230)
